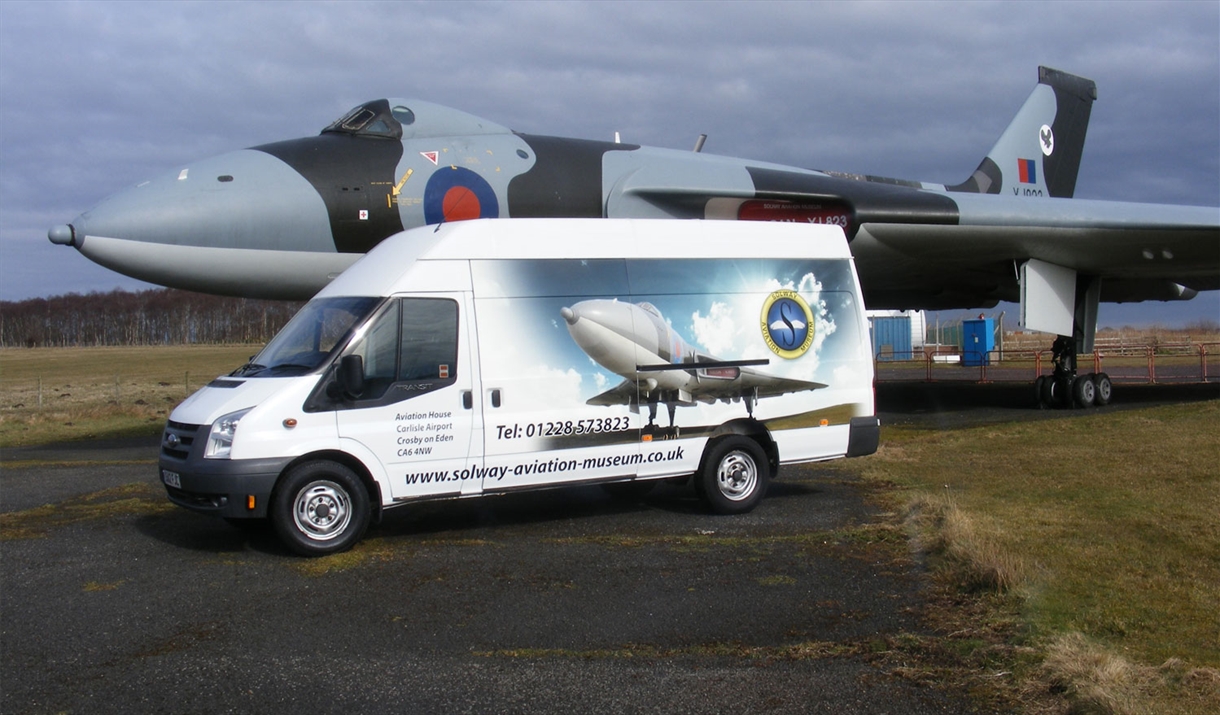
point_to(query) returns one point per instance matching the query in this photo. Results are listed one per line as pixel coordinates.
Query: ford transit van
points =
(490, 356)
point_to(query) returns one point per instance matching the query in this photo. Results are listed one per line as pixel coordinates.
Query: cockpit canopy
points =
(374, 119)
(405, 119)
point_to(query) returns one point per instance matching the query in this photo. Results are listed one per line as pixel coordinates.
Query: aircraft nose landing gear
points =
(1064, 388)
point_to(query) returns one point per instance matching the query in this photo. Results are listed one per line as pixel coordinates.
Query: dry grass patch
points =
(1095, 680)
(969, 555)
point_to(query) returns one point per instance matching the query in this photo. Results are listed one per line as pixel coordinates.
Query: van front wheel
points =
(734, 475)
(320, 508)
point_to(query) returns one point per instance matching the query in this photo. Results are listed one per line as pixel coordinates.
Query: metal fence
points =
(1160, 363)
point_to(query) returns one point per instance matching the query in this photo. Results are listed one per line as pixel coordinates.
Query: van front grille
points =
(177, 439)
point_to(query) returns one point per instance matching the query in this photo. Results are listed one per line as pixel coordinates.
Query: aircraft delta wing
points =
(719, 380)
(282, 219)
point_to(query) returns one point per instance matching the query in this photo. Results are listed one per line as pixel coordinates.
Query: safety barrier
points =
(1162, 363)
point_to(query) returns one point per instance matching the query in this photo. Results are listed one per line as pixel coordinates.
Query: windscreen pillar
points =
(1056, 300)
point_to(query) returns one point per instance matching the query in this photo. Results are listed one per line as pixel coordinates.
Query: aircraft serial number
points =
(563, 429)
(840, 220)
(837, 220)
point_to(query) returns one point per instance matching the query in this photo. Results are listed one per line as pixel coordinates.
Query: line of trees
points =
(150, 317)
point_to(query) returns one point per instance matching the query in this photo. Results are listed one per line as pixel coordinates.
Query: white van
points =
(490, 356)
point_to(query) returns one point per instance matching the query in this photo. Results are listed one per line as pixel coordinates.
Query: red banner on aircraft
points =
(792, 212)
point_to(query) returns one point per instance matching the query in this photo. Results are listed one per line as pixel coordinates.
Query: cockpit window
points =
(404, 115)
(372, 119)
(650, 308)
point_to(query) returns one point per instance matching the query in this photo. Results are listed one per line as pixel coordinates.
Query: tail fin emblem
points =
(1047, 139)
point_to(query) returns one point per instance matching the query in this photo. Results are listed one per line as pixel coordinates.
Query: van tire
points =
(320, 508)
(734, 475)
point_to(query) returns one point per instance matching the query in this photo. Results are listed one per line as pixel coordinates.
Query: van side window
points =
(429, 339)
(414, 340)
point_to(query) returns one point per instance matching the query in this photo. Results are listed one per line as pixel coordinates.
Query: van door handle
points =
(495, 397)
(467, 400)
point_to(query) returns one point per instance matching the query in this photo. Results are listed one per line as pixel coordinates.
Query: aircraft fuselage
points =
(281, 220)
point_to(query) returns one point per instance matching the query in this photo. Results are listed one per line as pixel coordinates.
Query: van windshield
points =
(323, 326)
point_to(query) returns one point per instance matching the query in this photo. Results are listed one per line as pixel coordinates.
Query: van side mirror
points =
(351, 375)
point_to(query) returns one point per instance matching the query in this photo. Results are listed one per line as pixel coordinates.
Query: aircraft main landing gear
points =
(652, 430)
(1064, 388)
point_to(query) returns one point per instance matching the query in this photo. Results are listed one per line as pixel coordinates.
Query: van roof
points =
(587, 238)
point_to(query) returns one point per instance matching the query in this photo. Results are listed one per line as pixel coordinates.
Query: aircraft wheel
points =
(1062, 392)
(320, 508)
(1104, 389)
(1039, 389)
(1084, 392)
(734, 475)
(1053, 389)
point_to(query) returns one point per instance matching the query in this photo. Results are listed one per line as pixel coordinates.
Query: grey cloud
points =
(100, 95)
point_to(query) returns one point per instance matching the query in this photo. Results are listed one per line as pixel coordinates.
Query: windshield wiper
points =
(247, 369)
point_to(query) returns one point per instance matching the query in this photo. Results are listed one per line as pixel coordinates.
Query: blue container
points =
(892, 338)
(978, 340)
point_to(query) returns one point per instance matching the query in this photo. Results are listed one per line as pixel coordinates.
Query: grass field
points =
(1101, 532)
(54, 394)
(1077, 557)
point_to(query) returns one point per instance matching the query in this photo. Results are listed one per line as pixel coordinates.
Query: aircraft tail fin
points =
(1039, 153)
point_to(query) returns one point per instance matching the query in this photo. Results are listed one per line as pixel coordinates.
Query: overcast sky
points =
(97, 96)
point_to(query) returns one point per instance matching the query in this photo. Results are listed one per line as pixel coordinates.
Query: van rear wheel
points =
(734, 475)
(320, 508)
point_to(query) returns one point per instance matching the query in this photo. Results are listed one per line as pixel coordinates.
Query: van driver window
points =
(429, 339)
(413, 340)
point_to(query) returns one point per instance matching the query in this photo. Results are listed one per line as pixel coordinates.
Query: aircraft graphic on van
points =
(633, 341)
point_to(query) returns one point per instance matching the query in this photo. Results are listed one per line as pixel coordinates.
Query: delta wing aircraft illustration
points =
(282, 219)
(633, 341)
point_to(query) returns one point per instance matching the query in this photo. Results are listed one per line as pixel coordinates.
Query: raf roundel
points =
(458, 194)
(787, 324)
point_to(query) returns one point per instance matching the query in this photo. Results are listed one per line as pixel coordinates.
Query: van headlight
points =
(220, 439)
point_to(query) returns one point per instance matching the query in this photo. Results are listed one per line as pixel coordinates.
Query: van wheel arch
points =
(751, 428)
(370, 485)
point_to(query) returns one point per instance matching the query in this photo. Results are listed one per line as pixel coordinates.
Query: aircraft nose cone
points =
(62, 235)
(569, 317)
(242, 199)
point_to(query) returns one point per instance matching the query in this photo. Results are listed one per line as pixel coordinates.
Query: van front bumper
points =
(223, 487)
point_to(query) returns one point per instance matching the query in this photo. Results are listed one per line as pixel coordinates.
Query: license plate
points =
(171, 478)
